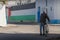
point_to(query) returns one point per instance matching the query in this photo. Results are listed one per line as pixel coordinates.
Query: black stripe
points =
(22, 7)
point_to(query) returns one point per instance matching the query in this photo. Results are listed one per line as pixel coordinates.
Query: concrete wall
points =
(54, 14)
(41, 4)
(53, 7)
(53, 10)
(3, 19)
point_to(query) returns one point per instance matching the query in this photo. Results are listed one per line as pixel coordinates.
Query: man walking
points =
(43, 18)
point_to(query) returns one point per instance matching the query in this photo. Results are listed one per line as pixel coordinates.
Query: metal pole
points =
(46, 6)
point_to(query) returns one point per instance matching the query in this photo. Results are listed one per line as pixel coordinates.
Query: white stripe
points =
(23, 12)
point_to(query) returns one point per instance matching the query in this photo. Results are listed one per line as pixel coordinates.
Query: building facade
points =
(28, 10)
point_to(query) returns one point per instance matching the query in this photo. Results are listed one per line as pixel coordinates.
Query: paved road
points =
(26, 36)
(21, 37)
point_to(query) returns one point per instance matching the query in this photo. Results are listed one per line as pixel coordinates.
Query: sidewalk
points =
(14, 28)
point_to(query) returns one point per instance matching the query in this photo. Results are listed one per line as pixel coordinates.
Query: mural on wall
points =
(23, 12)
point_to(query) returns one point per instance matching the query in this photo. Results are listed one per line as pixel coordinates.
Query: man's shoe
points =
(41, 34)
(45, 35)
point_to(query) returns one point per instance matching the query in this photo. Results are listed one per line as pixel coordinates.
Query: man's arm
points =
(47, 17)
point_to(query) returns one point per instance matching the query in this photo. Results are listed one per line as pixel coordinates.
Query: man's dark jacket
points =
(43, 18)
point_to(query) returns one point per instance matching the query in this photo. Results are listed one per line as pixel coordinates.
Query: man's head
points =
(44, 12)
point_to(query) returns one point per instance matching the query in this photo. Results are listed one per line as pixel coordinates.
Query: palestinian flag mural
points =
(22, 13)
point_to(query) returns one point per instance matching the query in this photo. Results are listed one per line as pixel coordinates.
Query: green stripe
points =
(23, 17)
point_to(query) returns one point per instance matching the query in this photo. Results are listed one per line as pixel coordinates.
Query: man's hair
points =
(43, 11)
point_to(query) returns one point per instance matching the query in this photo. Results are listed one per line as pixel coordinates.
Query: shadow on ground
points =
(6, 36)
